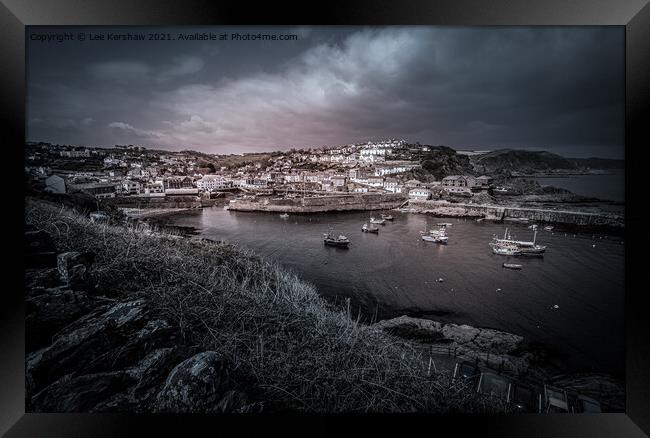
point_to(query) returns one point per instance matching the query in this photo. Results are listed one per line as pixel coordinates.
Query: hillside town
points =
(385, 166)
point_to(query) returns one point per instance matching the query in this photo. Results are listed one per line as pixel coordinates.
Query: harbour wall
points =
(495, 212)
(175, 201)
(346, 202)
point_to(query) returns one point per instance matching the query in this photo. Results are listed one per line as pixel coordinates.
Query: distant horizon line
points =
(325, 147)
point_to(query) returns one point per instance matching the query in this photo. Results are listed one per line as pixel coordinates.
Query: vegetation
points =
(291, 349)
(504, 161)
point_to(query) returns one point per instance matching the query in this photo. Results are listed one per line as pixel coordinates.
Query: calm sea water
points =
(395, 273)
(610, 187)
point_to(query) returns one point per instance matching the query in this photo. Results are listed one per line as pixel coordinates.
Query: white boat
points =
(436, 236)
(512, 266)
(387, 217)
(509, 246)
(533, 226)
(370, 229)
(377, 221)
(284, 215)
(444, 224)
(548, 228)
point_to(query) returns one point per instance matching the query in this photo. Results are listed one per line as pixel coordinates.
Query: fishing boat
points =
(436, 236)
(370, 229)
(377, 221)
(387, 217)
(284, 215)
(331, 240)
(512, 266)
(509, 246)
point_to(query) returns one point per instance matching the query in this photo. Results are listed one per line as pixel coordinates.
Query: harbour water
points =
(395, 273)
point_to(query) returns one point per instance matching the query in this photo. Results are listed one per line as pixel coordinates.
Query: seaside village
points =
(133, 171)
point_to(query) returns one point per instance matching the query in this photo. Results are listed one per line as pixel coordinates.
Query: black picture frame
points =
(634, 15)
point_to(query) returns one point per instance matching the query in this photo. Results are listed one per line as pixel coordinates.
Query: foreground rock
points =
(84, 344)
(195, 385)
(491, 347)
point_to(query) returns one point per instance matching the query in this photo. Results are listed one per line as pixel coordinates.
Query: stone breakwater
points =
(499, 212)
(346, 202)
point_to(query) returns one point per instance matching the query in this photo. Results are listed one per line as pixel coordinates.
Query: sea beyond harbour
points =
(608, 186)
(570, 301)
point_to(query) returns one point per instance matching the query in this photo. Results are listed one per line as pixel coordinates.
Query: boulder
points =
(68, 264)
(417, 329)
(196, 385)
(496, 341)
(425, 330)
(461, 334)
(82, 345)
(148, 376)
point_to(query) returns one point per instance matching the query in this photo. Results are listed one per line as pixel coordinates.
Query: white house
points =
(392, 185)
(420, 193)
(213, 182)
(130, 187)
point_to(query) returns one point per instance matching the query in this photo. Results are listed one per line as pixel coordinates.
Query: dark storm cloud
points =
(559, 89)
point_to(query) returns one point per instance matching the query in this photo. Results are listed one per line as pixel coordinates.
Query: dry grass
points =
(297, 351)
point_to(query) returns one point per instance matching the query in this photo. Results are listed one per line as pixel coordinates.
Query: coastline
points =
(447, 342)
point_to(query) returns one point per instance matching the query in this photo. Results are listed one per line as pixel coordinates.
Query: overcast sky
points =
(555, 88)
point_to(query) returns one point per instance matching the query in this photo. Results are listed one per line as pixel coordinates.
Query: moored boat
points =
(370, 229)
(512, 266)
(284, 215)
(387, 217)
(436, 236)
(509, 246)
(340, 240)
(377, 221)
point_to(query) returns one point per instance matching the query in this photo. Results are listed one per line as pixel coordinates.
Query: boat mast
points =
(534, 236)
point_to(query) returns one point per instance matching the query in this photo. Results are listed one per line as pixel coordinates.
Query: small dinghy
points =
(512, 266)
(370, 229)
